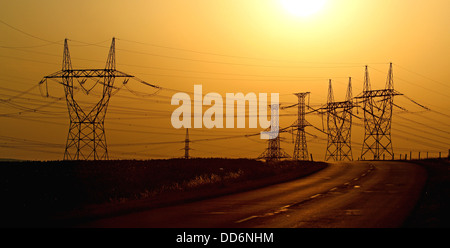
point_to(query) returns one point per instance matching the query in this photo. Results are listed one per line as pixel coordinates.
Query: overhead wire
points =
(200, 140)
(28, 34)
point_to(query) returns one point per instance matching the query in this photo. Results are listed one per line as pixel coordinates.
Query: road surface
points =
(354, 195)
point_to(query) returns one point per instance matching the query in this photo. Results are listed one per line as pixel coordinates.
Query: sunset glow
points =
(254, 46)
(303, 8)
(232, 114)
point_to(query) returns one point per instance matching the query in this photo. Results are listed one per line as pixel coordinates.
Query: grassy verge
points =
(55, 192)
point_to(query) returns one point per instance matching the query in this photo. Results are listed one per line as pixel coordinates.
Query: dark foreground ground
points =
(432, 210)
(60, 193)
(56, 193)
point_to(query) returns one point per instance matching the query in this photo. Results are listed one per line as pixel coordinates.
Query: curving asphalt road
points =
(355, 195)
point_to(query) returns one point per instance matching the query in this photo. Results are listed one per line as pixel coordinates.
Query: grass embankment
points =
(46, 193)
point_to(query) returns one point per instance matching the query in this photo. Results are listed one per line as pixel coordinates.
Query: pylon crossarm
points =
(88, 73)
(337, 105)
(379, 93)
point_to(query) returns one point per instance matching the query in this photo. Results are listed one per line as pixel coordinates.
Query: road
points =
(354, 195)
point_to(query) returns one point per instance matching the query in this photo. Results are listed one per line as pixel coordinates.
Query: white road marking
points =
(282, 209)
(285, 208)
(248, 218)
(316, 195)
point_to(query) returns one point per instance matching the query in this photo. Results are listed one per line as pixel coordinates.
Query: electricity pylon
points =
(86, 139)
(300, 148)
(377, 107)
(274, 153)
(186, 145)
(339, 125)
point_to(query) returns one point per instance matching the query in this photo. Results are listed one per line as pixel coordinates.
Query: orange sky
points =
(227, 46)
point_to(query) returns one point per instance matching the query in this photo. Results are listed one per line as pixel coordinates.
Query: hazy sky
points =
(227, 46)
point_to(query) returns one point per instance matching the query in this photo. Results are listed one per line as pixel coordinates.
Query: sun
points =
(303, 8)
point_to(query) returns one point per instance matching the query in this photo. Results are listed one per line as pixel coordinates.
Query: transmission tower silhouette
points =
(300, 148)
(274, 153)
(377, 107)
(339, 125)
(186, 145)
(86, 139)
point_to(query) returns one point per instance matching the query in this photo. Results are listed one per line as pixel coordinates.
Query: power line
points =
(16, 101)
(28, 34)
(242, 57)
(229, 63)
(424, 125)
(263, 77)
(416, 73)
(417, 85)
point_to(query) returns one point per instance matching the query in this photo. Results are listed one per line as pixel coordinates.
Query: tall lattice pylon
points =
(339, 125)
(274, 153)
(300, 147)
(377, 107)
(86, 139)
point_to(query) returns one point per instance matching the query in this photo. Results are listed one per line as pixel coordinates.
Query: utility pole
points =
(377, 107)
(301, 149)
(274, 153)
(86, 139)
(186, 145)
(339, 125)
